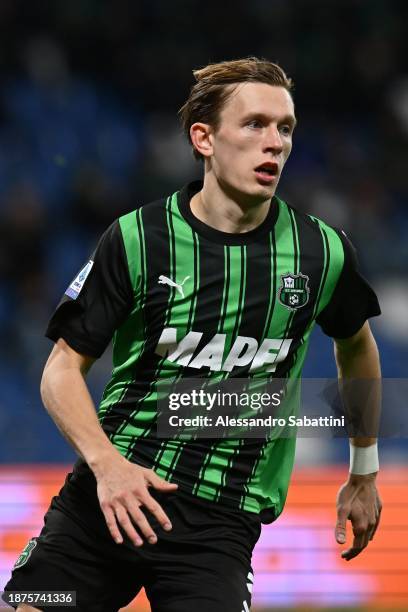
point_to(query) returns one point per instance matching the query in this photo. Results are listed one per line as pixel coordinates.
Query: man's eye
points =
(254, 123)
(285, 130)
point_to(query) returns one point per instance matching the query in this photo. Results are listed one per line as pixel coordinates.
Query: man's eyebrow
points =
(291, 119)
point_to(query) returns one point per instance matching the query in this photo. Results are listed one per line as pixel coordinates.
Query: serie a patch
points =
(76, 286)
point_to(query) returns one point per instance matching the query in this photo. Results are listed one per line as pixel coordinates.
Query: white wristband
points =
(364, 459)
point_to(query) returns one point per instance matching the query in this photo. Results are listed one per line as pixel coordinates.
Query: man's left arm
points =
(358, 500)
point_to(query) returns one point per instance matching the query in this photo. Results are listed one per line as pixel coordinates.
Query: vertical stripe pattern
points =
(185, 281)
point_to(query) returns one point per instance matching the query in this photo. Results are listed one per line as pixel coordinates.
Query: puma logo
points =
(163, 280)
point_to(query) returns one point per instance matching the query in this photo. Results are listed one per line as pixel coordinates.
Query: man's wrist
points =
(358, 479)
(364, 459)
(99, 459)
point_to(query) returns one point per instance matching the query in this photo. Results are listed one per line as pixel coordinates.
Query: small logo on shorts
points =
(26, 554)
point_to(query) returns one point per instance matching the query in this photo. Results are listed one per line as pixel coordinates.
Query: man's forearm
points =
(68, 402)
(357, 359)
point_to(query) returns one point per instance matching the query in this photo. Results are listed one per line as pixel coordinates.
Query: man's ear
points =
(201, 137)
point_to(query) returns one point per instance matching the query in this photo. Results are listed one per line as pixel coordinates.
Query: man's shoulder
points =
(316, 224)
(311, 220)
(147, 216)
(148, 207)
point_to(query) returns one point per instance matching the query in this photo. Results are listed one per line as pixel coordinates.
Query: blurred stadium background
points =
(88, 130)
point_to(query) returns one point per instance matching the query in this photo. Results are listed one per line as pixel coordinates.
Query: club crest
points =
(294, 290)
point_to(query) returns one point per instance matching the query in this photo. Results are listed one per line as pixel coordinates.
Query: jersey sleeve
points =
(353, 300)
(98, 299)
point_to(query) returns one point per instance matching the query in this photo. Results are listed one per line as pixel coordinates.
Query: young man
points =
(189, 286)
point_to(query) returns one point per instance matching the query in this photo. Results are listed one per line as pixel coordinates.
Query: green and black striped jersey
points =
(181, 299)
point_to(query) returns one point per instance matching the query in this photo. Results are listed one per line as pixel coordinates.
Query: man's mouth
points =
(267, 172)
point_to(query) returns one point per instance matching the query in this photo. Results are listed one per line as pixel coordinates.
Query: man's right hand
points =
(122, 486)
(122, 489)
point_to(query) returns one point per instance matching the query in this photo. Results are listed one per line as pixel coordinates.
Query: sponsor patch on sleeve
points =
(76, 286)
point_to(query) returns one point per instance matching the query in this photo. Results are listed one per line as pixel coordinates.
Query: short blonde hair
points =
(210, 92)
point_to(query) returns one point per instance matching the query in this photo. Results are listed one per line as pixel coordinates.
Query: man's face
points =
(253, 140)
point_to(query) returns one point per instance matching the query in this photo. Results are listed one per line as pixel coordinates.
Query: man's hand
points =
(358, 501)
(122, 489)
(122, 486)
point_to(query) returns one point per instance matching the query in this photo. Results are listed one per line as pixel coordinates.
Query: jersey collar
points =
(214, 235)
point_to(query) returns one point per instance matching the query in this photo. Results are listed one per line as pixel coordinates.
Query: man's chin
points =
(265, 192)
(258, 194)
(252, 193)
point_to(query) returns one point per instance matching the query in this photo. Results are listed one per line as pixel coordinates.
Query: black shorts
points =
(203, 563)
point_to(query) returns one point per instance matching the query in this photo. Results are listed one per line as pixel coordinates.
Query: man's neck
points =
(219, 209)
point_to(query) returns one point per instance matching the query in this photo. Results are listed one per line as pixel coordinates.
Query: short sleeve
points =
(98, 299)
(353, 300)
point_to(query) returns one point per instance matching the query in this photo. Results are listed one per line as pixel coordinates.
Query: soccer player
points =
(221, 279)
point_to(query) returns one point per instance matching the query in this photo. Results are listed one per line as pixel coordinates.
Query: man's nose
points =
(273, 140)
